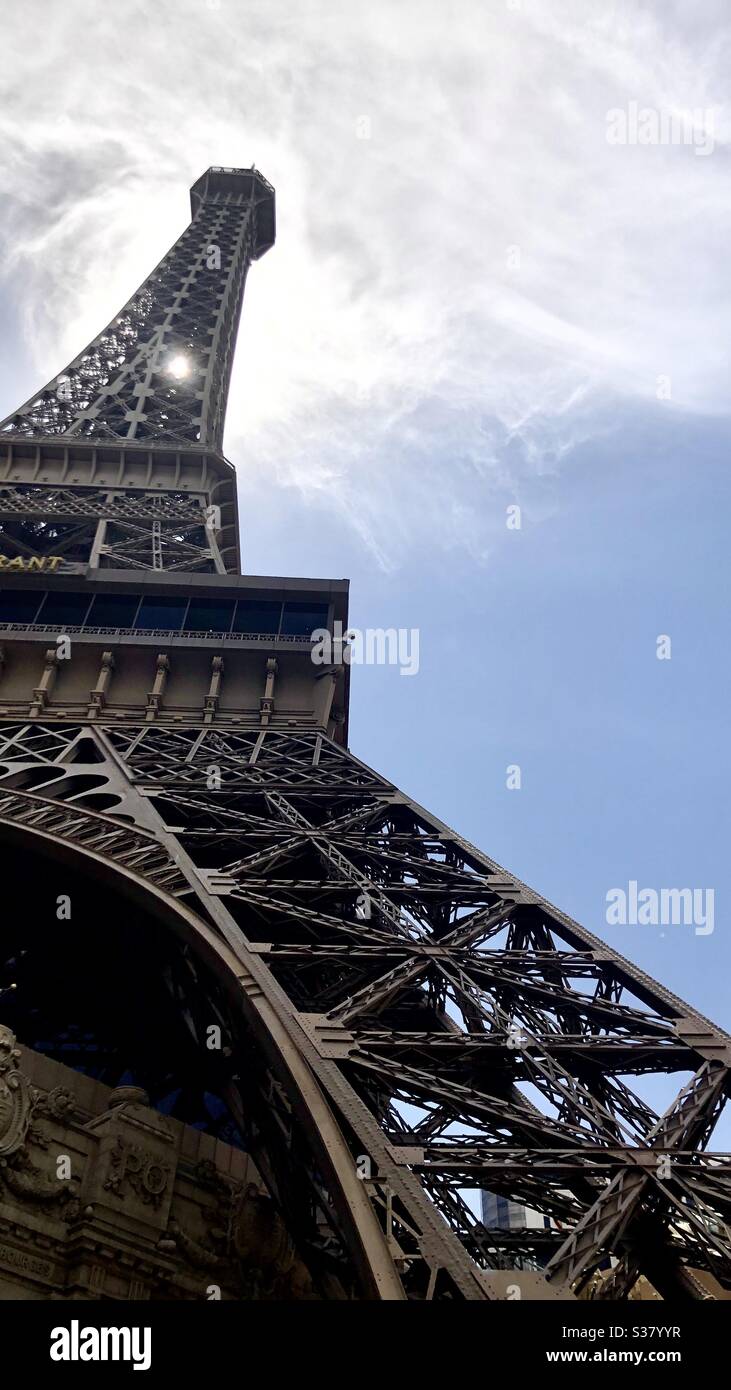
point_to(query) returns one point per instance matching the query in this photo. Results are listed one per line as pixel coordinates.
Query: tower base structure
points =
(281, 950)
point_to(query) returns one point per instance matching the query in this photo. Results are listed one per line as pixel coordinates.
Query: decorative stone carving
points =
(39, 1136)
(60, 1104)
(139, 1170)
(266, 703)
(154, 696)
(16, 1098)
(193, 1250)
(134, 1202)
(98, 696)
(31, 1184)
(208, 1176)
(42, 693)
(128, 1095)
(247, 1242)
(258, 1235)
(214, 690)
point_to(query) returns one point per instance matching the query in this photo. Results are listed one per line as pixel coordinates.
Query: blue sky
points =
(403, 377)
(545, 656)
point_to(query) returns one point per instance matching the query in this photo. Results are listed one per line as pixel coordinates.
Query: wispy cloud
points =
(468, 278)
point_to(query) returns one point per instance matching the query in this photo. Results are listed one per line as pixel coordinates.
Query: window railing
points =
(208, 634)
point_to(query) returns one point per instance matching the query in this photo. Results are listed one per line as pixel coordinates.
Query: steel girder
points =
(462, 1032)
(135, 531)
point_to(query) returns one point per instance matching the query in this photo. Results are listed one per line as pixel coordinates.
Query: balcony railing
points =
(167, 634)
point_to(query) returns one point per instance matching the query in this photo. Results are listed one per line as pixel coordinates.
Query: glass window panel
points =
(19, 605)
(257, 615)
(113, 610)
(209, 615)
(301, 619)
(162, 612)
(64, 609)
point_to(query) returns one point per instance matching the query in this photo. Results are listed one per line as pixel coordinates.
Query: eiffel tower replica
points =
(285, 1025)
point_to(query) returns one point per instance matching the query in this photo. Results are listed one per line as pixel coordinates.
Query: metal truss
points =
(156, 546)
(83, 504)
(461, 1033)
(109, 530)
(159, 372)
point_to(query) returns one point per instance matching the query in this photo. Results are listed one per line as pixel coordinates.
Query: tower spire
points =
(118, 462)
(159, 372)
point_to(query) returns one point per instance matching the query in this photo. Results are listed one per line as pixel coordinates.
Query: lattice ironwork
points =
(66, 503)
(31, 537)
(466, 1033)
(130, 538)
(147, 543)
(159, 372)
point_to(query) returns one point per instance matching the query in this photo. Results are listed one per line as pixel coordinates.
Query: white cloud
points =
(393, 355)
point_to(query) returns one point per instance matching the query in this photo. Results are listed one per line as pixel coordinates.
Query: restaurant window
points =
(257, 615)
(64, 608)
(160, 612)
(19, 605)
(113, 610)
(301, 619)
(209, 615)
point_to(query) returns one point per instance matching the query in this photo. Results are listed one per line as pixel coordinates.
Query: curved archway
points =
(257, 1031)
